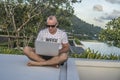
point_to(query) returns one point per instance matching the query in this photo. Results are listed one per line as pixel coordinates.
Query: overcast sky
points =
(97, 12)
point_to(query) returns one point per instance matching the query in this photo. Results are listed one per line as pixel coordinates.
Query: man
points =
(51, 34)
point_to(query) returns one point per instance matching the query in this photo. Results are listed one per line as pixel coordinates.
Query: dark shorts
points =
(46, 57)
(49, 57)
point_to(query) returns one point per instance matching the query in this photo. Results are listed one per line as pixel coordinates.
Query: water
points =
(101, 47)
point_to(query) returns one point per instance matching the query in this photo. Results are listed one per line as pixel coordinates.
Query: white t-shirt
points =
(59, 37)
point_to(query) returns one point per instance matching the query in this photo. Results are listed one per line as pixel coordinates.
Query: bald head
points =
(52, 19)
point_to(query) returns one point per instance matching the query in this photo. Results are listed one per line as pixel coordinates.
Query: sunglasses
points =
(51, 26)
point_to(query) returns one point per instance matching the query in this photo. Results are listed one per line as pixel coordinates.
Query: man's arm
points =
(65, 48)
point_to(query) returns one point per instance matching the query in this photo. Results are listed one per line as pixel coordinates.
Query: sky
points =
(97, 12)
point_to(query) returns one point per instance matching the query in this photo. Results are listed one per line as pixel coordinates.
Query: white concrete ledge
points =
(98, 63)
(91, 69)
(13, 67)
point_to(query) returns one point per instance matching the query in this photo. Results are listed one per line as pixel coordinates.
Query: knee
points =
(64, 56)
(26, 49)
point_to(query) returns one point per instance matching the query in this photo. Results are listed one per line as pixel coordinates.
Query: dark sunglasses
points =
(51, 26)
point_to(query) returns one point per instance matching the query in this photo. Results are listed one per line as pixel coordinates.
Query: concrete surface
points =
(13, 67)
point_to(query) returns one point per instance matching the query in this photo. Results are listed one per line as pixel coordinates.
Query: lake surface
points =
(101, 47)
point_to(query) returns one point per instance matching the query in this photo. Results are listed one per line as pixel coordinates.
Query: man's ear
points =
(57, 24)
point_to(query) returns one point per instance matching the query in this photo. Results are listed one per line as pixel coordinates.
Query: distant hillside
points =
(84, 29)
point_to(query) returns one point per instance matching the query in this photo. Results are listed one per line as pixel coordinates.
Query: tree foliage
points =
(22, 19)
(112, 32)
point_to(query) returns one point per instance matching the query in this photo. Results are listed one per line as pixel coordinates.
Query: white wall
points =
(98, 69)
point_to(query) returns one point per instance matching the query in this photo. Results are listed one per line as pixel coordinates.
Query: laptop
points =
(46, 48)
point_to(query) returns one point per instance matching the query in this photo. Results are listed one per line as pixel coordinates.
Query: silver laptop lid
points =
(46, 48)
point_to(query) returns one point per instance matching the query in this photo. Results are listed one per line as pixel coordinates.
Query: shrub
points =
(5, 50)
(91, 54)
(77, 41)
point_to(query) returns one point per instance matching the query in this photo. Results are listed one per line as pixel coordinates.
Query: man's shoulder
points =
(61, 31)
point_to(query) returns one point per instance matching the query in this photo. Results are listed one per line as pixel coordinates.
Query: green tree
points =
(111, 34)
(22, 19)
